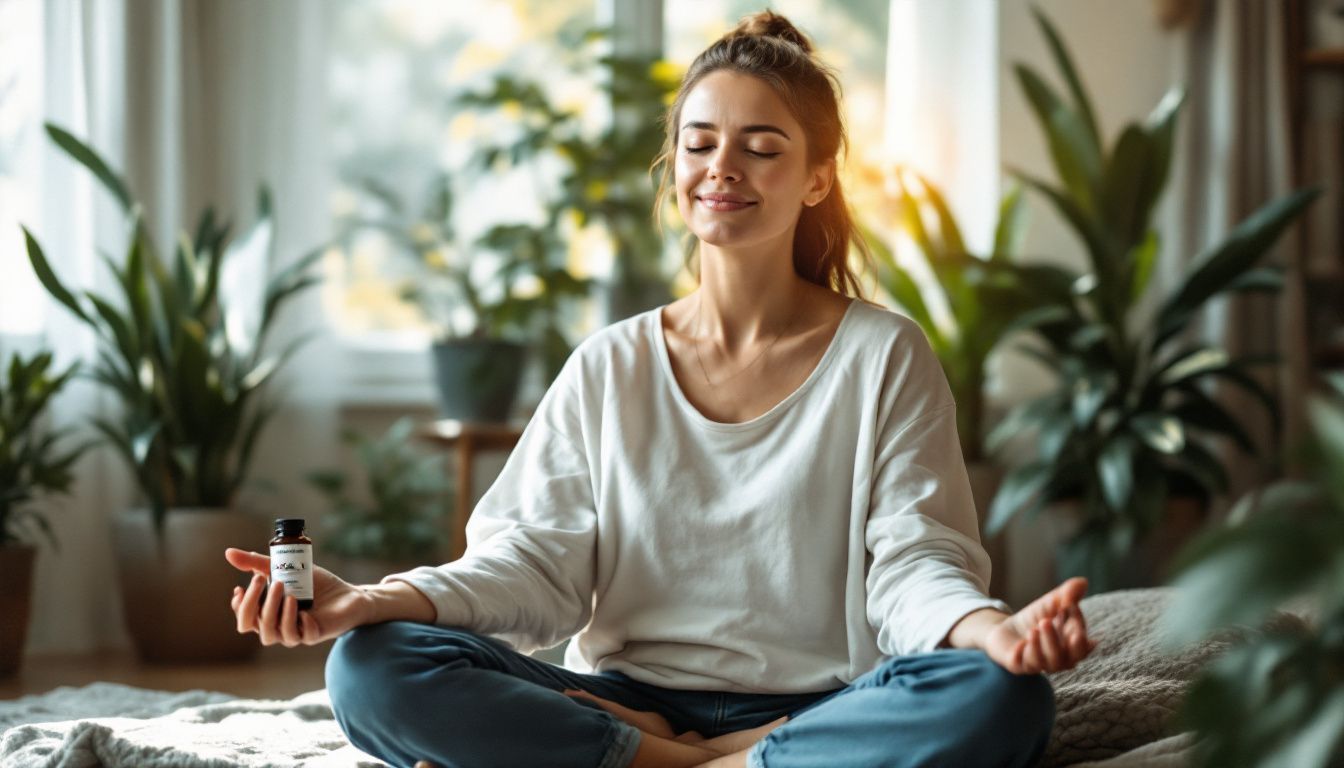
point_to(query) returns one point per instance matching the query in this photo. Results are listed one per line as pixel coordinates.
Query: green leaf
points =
(1142, 259)
(1316, 741)
(1328, 425)
(1234, 257)
(1020, 492)
(1162, 433)
(87, 157)
(947, 223)
(1065, 64)
(1012, 226)
(1115, 467)
(49, 280)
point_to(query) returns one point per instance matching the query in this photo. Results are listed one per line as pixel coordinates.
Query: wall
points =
(1126, 62)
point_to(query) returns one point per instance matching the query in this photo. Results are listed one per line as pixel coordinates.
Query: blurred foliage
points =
(519, 297)
(1120, 430)
(31, 465)
(605, 177)
(985, 298)
(407, 495)
(190, 373)
(1278, 699)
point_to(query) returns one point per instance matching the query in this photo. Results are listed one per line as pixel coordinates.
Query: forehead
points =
(731, 99)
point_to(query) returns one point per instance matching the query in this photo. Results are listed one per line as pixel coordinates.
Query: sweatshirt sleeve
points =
(527, 574)
(928, 569)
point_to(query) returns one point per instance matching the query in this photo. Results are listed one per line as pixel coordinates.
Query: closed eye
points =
(706, 148)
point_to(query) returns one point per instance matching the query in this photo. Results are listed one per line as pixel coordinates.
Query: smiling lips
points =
(723, 202)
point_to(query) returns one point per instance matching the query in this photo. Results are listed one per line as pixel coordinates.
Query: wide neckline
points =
(665, 359)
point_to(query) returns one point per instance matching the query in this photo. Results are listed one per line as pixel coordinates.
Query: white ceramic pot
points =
(175, 589)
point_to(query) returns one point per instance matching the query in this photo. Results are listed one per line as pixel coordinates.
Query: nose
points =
(721, 166)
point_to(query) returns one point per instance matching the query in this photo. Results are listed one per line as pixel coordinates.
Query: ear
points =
(823, 176)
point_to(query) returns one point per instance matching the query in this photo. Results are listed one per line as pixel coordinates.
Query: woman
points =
(749, 504)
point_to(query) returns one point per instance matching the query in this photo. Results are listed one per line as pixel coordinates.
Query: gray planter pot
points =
(478, 378)
(16, 594)
(175, 592)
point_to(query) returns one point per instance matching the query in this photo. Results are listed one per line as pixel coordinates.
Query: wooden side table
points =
(468, 439)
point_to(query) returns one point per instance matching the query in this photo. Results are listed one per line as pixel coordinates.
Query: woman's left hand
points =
(1050, 635)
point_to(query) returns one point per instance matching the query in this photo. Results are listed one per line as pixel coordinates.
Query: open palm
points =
(337, 606)
(1049, 635)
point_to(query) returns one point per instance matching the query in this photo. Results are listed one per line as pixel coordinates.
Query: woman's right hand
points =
(337, 606)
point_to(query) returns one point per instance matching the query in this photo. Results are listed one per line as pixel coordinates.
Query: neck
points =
(747, 296)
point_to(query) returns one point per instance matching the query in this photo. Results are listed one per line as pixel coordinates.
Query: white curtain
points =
(196, 102)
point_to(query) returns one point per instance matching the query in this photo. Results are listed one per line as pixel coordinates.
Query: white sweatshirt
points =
(785, 554)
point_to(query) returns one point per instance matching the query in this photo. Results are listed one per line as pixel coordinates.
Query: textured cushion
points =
(1125, 693)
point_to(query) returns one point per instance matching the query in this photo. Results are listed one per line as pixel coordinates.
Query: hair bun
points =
(771, 24)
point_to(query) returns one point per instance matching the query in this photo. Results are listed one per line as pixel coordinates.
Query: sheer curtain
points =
(196, 102)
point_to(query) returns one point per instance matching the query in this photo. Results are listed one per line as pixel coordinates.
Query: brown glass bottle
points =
(292, 560)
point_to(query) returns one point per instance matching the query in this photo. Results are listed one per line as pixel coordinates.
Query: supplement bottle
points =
(292, 560)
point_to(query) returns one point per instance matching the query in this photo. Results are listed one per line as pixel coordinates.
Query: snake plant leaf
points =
(1098, 252)
(1162, 433)
(1122, 188)
(1065, 64)
(1142, 260)
(87, 157)
(1021, 418)
(121, 334)
(1115, 467)
(1012, 225)
(289, 281)
(901, 286)
(1237, 254)
(948, 231)
(48, 278)
(1075, 156)
(1020, 492)
(1161, 130)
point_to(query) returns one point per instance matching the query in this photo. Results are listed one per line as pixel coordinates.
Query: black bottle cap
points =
(289, 526)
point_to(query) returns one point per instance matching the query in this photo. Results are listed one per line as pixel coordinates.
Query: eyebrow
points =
(763, 128)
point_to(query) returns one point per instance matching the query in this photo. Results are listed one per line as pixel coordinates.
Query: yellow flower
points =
(596, 190)
(512, 109)
(422, 233)
(664, 71)
(434, 258)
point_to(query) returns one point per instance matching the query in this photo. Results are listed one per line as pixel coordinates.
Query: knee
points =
(369, 667)
(1015, 711)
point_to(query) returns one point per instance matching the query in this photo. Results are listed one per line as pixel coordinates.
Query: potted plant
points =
(979, 302)
(489, 301)
(394, 522)
(1119, 437)
(1277, 698)
(190, 372)
(32, 469)
(604, 177)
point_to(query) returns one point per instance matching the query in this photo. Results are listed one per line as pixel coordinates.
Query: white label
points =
(292, 565)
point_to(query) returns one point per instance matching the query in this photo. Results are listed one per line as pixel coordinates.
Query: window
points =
(396, 68)
(21, 54)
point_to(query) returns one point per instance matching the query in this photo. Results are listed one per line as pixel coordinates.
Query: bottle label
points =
(292, 565)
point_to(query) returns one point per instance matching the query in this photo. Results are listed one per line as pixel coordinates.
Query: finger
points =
(270, 614)
(1016, 658)
(237, 598)
(289, 622)
(250, 605)
(248, 561)
(1076, 634)
(1053, 658)
(309, 631)
(1031, 656)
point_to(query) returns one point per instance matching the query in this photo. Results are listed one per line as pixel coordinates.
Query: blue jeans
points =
(405, 692)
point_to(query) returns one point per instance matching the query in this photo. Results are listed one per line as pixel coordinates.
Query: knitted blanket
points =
(105, 725)
(1124, 695)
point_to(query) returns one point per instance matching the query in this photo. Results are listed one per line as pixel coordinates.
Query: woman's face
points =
(741, 168)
